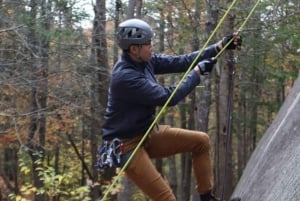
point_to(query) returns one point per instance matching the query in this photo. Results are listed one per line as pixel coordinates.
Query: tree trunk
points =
(10, 169)
(241, 131)
(183, 124)
(99, 86)
(117, 21)
(37, 130)
(205, 96)
(134, 9)
(127, 191)
(223, 146)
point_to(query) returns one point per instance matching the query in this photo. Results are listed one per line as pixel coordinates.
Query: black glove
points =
(236, 43)
(206, 65)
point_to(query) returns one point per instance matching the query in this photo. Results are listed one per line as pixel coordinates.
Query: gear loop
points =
(109, 154)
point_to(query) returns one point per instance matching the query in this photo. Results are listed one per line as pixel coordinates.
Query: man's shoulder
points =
(125, 73)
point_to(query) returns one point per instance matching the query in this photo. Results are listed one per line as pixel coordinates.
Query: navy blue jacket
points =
(134, 92)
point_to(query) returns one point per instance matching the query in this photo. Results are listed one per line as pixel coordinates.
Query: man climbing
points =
(133, 97)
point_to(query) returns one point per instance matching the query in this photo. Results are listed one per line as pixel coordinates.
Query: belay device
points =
(109, 154)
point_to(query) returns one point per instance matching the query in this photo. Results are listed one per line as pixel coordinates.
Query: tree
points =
(39, 45)
(99, 86)
(206, 93)
(134, 9)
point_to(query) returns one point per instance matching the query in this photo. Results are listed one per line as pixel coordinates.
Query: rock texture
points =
(273, 171)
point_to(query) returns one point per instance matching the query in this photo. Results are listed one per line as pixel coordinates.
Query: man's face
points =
(141, 53)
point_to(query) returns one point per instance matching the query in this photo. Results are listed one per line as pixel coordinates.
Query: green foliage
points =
(138, 196)
(54, 184)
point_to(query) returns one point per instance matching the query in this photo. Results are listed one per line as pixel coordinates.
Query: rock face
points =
(273, 171)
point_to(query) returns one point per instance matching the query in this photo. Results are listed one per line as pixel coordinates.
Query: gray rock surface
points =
(273, 171)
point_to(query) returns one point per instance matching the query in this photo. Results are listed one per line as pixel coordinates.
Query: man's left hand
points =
(234, 40)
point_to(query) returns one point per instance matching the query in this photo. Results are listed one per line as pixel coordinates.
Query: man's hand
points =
(205, 66)
(234, 40)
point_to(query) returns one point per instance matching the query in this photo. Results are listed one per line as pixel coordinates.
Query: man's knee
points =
(166, 196)
(203, 142)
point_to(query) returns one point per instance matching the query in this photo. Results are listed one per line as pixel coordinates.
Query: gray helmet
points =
(133, 31)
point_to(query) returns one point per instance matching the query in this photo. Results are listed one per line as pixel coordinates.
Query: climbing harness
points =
(108, 190)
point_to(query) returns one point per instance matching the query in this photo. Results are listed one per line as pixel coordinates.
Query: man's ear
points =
(133, 49)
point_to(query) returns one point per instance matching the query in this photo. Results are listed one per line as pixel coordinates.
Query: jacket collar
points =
(138, 65)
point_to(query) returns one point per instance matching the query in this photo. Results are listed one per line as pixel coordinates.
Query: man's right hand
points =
(206, 66)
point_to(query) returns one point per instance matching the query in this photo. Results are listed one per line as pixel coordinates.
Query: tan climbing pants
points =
(164, 142)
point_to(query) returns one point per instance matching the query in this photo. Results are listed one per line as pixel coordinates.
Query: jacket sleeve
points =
(133, 87)
(162, 64)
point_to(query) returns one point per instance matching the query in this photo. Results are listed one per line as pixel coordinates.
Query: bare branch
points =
(10, 29)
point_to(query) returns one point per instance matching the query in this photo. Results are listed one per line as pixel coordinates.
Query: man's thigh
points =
(169, 141)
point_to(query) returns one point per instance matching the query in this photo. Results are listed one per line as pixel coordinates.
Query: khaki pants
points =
(164, 142)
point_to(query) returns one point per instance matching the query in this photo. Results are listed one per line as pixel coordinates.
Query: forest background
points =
(54, 75)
